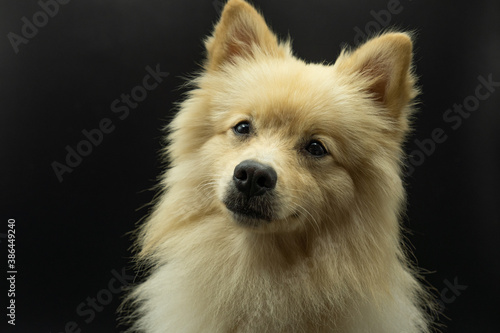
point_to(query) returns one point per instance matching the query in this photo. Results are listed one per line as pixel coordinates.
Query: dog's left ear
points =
(383, 67)
(240, 33)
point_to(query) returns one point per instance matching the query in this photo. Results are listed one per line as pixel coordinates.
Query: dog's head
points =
(278, 144)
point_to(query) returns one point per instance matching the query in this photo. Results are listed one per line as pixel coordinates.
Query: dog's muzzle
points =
(250, 195)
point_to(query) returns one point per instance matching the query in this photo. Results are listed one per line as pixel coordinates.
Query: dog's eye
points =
(316, 148)
(242, 128)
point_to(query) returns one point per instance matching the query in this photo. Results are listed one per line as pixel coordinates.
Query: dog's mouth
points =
(250, 211)
(255, 212)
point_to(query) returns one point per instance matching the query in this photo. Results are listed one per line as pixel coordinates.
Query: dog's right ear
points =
(240, 33)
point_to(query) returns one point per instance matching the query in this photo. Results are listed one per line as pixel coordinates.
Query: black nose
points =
(253, 178)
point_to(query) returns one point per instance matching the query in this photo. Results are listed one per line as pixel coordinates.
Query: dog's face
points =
(281, 144)
(278, 152)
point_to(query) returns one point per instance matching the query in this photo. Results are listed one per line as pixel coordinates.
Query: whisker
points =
(309, 216)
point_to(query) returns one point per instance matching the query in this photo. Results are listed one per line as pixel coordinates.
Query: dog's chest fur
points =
(235, 290)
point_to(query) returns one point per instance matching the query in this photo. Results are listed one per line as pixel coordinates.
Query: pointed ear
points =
(383, 67)
(240, 32)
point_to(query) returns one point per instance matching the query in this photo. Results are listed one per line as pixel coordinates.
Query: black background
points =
(71, 235)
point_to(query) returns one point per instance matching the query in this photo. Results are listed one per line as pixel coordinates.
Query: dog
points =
(280, 210)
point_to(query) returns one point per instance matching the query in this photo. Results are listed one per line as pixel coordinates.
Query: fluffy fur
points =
(331, 257)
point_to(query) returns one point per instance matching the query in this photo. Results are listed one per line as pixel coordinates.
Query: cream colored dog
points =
(280, 210)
